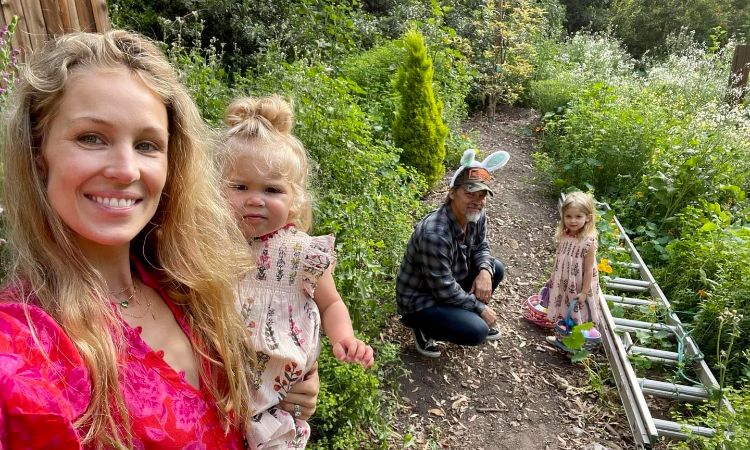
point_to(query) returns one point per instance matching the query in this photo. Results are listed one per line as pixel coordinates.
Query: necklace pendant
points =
(125, 303)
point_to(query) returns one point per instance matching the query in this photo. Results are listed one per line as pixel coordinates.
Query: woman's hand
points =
(302, 398)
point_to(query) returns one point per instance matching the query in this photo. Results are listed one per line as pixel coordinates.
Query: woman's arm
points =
(337, 325)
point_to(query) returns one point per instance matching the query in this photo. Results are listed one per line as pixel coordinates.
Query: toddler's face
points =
(575, 219)
(259, 199)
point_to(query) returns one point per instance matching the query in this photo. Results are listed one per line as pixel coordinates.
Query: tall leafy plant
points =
(418, 128)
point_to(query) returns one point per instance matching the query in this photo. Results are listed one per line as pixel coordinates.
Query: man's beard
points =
(473, 216)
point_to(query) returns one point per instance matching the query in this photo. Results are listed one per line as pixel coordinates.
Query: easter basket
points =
(564, 326)
(535, 308)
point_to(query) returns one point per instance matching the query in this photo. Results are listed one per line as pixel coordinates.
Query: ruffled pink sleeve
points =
(319, 257)
(44, 386)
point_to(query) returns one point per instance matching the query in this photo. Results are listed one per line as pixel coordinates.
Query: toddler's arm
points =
(589, 261)
(338, 326)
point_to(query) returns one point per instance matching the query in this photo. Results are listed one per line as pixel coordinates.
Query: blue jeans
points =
(453, 324)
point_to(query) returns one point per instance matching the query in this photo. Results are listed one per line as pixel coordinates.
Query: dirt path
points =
(517, 393)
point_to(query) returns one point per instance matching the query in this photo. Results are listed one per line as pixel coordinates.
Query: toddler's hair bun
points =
(252, 114)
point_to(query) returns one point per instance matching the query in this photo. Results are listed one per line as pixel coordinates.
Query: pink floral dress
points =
(277, 304)
(567, 279)
(45, 387)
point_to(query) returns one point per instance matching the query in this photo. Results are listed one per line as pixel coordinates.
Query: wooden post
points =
(738, 78)
(39, 20)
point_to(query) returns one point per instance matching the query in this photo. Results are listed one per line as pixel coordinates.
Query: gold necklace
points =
(132, 299)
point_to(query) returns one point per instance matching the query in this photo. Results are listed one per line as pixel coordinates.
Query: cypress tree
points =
(418, 127)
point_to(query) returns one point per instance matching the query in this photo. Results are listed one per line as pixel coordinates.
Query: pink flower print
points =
(294, 330)
(280, 262)
(251, 328)
(269, 333)
(296, 251)
(188, 410)
(283, 382)
(264, 262)
(141, 389)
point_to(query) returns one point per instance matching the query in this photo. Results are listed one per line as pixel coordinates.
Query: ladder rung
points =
(628, 301)
(677, 391)
(636, 325)
(662, 354)
(625, 287)
(676, 430)
(631, 282)
(627, 265)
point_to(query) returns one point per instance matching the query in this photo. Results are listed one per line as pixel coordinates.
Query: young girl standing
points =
(292, 290)
(575, 277)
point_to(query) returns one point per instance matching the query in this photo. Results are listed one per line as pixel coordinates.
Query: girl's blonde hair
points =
(583, 202)
(191, 242)
(263, 127)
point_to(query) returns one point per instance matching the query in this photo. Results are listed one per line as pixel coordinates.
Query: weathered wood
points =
(39, 20)
(52, 14)
(69, 15)
(36, 28)
(101, 14)
(738, 79)
(86, 20)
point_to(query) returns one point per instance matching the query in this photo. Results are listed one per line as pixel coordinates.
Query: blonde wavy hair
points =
(191, 242)
(263, 127)
(584, 203)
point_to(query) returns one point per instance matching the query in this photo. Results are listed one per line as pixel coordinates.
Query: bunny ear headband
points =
(478, 171)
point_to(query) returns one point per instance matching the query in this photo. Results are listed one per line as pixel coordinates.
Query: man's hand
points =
(489, 316)
(482, 286)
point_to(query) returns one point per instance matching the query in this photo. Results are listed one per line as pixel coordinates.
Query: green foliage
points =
(8, 67)
(644, 24)
(732, 430)
(298, 29)
(418, 128)
(8, 59)
(565, 69)
(203, 74)
(708, 273)
(374, 73)
(350, 410)
(506, 32)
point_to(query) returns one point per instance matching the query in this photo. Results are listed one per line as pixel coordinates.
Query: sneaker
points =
(425, 346)
(493, 335)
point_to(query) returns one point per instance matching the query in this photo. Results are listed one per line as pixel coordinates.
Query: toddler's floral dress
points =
(277, 305)
(567, 279)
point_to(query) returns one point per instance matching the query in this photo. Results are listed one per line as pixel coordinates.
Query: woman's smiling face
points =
(104, 156)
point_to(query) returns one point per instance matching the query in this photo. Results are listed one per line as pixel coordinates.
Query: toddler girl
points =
(292, 290)
(575, 277)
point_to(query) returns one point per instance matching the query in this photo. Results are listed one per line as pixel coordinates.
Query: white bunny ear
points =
(496, 161)
(467, 159)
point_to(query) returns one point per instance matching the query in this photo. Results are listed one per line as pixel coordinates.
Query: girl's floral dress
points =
(277, 304)
(567, 278)
(45, 387)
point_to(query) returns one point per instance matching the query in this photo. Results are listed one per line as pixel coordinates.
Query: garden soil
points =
(518, 392)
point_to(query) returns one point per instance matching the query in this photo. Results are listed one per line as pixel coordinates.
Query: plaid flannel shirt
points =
(438, 255)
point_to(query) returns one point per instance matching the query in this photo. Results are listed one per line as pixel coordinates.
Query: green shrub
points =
(708, 272)
(418, 128)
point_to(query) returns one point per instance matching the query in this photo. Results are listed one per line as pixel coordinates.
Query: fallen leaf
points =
(437, 412)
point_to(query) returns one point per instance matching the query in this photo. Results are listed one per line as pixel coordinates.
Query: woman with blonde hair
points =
(117, 322)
